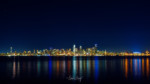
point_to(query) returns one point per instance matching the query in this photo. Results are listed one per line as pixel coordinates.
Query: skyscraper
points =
(80, 47)
(11, 50)
(95, 45)
(34, 51)
(105, 52)
(74, 49)
(80, 51)
(95, 48)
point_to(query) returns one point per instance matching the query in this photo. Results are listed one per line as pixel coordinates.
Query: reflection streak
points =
(147, 67)
(14, 69)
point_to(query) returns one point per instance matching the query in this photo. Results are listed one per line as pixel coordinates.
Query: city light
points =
(75, 51)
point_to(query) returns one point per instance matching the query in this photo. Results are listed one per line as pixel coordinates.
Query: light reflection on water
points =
(95, 68)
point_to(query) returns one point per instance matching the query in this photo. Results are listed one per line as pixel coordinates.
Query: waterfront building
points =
(11, 50)
(74, 49)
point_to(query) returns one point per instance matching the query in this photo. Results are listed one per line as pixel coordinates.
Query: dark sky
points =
(114, 25)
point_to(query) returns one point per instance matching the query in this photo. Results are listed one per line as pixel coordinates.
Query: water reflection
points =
(96, 68)
(143, 67)
(50, 68)
(57, 69)
(38, 68)
(147, 67)
(14, 69)
(93, 68)
(137, 67)
(74, 72)
(18, 69)
(88, 67)
(126, 67)
(80, 63)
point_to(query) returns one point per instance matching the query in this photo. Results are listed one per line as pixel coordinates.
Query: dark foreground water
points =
(72, 70)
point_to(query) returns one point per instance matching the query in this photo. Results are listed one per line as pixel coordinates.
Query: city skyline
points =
(74, 51)
(19, 49)
(77, 46)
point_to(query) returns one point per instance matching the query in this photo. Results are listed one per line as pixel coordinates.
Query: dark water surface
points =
(68, 70)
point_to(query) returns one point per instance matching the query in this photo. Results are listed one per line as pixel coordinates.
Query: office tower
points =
(95, 48)
(34, 51)
(74, 49)
(29, 52)
(96, 45)
(105, 52)
(80, 50)
(147, 53)
(11, 50)
(37, 51)
(25, 52)
(80, 47)
(15, 53)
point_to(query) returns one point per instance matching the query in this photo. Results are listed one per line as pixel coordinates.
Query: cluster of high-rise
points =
(73, 52)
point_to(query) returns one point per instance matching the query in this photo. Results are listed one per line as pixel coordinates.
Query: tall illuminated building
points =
(11, 50)
(44, 51)
(74, 49)
(95, 48)
(80, 47)
(147, 52)
(15, 53)
(29, 52)
(25, 52)
(80, 51)
(105, 52)
(37, 51)
(34, 51)
(96, 45)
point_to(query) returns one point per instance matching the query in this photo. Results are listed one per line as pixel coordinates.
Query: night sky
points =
(114, 25)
